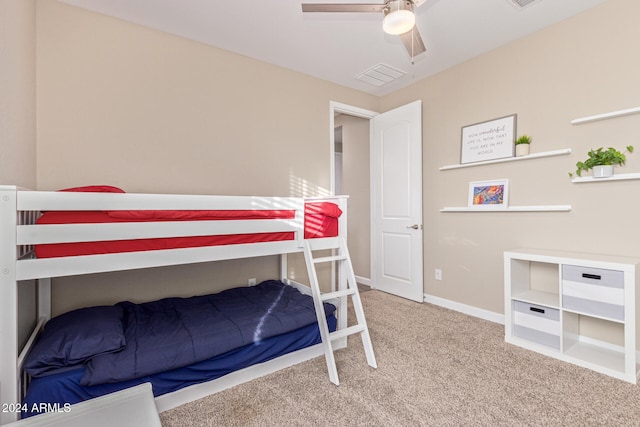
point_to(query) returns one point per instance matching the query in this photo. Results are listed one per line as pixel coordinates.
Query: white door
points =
(396, 202)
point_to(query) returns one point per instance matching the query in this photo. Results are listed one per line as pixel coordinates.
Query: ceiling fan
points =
(399, 18)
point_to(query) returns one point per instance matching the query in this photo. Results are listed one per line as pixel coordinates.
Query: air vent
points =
(520, 4)
(380, 75)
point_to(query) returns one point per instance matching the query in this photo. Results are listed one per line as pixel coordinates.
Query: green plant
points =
(601, 157)
(524, 139)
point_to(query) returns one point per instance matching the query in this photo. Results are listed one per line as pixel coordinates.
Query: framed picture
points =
(489, 194)
(490, 140)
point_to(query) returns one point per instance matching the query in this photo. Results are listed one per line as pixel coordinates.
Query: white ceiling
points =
(340, 46)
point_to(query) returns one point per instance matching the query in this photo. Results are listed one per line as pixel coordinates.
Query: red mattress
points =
(321, 220)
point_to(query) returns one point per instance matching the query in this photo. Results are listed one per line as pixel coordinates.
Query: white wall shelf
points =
(538, 208)
(605, 116)
(510, 159)
(618, 177)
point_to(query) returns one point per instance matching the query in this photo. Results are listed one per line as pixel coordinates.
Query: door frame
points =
(334, 108)
(337, 107)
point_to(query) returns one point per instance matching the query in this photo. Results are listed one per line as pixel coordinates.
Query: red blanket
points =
(321, 220)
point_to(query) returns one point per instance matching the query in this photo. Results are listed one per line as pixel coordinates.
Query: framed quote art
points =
(490, 140)
(489, 194)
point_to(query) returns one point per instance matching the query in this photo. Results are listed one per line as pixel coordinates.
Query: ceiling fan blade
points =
(413, 42)
(344, 7)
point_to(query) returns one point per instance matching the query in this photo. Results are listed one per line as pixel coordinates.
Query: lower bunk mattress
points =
(268, 320)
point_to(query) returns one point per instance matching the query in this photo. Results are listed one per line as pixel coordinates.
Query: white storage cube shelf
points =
(579, 308)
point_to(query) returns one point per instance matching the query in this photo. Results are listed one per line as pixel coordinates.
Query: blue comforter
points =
(176, 332)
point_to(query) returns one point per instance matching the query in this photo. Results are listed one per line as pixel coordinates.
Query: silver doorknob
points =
(415, 226)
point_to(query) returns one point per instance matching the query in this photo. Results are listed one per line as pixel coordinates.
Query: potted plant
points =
(522, 145)
(602, 161)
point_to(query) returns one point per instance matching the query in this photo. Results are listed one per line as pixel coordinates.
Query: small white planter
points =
(522, 150)
(603, 171)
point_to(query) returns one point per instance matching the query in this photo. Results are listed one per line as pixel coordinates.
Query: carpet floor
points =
(436, 367)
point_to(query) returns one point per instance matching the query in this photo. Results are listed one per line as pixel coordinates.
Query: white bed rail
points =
(31, 202)
(9, 373)
(83, 201)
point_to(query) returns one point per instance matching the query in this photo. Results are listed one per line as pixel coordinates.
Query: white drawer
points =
(594, 276)
(593, 291)
(537, 323)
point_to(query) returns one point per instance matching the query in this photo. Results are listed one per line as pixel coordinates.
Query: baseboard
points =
(363, 281)
(466, 309)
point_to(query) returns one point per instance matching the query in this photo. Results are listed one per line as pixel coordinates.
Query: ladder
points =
(345, 269)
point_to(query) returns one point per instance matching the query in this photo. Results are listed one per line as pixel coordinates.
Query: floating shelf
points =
(604, 116)
(540, 208)
(510, 159)
(618, 177)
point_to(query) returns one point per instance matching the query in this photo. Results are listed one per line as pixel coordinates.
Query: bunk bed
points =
(47, 234)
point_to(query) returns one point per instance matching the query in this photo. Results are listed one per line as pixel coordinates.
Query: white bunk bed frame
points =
(20, 208)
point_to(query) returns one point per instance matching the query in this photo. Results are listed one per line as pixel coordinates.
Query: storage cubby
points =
(579, 308)
(535, 282)
(604, 350)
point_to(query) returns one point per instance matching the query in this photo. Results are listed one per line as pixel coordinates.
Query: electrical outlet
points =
(251, 282)
(438, 274)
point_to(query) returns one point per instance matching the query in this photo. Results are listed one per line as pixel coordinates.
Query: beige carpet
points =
(436, 367)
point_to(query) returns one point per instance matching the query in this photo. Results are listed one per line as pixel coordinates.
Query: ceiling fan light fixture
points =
(399, 17)
(398, 22)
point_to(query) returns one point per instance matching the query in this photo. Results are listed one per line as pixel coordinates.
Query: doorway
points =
(401, 273)
(352, 171)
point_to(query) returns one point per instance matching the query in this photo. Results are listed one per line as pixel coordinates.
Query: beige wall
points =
(18, 118)
(355, 148)
(125, 105)
(583, 66)
(18, 93)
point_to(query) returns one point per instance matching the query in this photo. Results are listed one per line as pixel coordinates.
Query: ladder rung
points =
(356, 329)
(337, 294)
(330, 258)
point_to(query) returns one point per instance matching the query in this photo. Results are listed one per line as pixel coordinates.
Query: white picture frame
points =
(492, 194)
(489, 140)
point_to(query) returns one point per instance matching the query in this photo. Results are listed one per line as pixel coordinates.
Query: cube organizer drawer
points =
(593, 291)
(537, 323)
